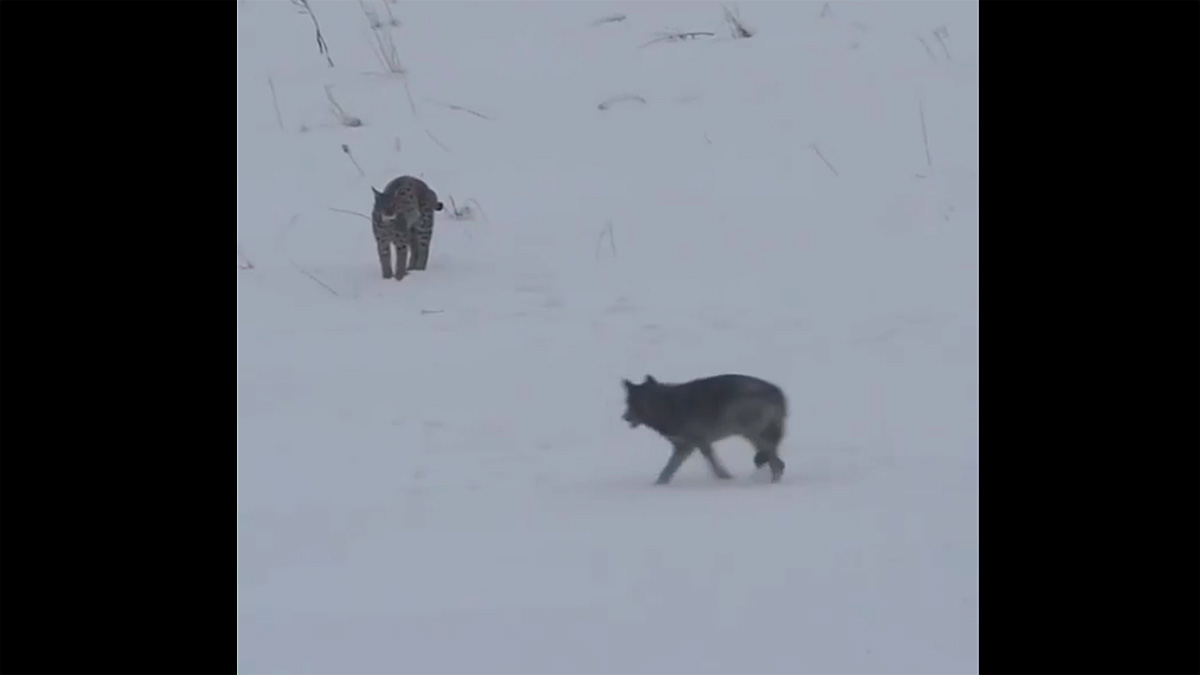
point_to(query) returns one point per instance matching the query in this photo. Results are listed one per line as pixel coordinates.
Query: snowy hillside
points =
(433, 476)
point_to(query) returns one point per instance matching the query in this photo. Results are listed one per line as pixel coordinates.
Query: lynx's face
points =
(385, 207)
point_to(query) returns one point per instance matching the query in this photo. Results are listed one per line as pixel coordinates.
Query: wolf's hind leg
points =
(680, 453)
(718, 469)
(768, 453)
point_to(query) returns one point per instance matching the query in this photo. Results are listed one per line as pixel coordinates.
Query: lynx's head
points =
(640, 401)
(384, 206)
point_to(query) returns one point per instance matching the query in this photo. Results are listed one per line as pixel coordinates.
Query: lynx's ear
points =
(377, 193)
(629, 386)
(650, 380)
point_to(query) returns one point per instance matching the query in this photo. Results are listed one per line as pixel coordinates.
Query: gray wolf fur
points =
(694, 415)
(403, 216)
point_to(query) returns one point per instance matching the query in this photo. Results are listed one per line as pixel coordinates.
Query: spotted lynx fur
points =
(403, 217)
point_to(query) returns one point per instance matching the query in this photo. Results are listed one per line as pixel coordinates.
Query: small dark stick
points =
(346, 149)
(927, 49)
(439, 143)
(939, 33)
(612, 243)
(818, 151)
(313, 277)
(275, 101)
(321, 45)
(924, 133)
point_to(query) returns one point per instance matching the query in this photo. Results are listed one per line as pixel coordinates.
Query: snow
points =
(433, 476)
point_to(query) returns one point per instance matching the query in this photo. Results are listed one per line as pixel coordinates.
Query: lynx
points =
(403, 217)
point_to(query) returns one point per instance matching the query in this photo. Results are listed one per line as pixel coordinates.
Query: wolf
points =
(694, 415)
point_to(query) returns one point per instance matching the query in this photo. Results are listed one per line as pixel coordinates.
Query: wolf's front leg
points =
(678, 454)
(718, 469)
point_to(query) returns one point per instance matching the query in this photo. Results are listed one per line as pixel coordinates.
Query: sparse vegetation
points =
(678, 37)
(339, 113)
(466, 211)
(737, 27)
(942, 34)
(322, 47)
(384, 45)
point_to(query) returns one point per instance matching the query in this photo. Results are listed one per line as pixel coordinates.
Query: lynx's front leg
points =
(423, 234)
(385, 256)
(419, 251)
(420, 248)
(401, 258)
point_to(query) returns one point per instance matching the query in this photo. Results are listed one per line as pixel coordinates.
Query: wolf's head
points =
(384, 207)
(639, 401)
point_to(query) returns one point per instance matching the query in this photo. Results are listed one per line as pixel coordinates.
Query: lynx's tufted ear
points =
(439, 207)
(650, 380)
(629, 386)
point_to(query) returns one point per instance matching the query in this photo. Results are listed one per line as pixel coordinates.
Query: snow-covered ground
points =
(433, 476)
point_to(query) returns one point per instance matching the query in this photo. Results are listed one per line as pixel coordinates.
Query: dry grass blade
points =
(678, 37)
(459, 108)
(275, 101)
(605, 105)
(611, 18)
(351, 213)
